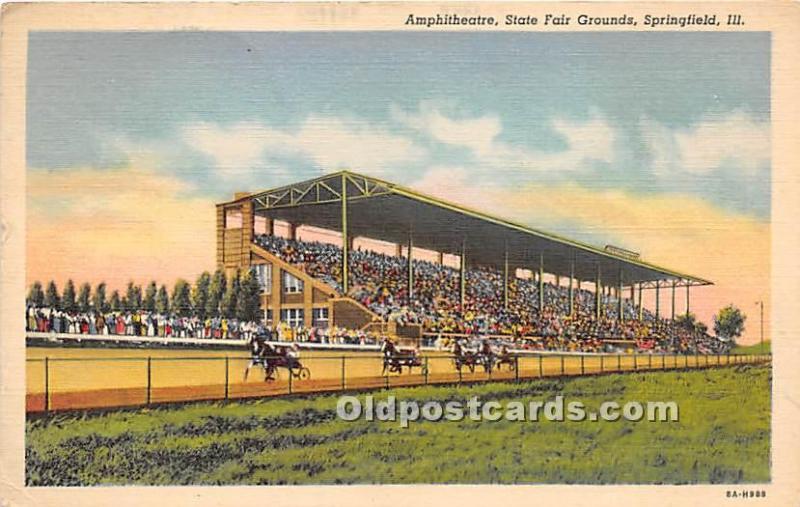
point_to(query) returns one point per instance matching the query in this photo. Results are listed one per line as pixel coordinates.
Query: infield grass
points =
(756, 348)
(723, 436)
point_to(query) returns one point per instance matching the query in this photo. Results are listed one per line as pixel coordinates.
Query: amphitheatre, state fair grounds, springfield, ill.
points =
(351, 285)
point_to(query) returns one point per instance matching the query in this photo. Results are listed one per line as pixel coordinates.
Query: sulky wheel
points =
(304, 374)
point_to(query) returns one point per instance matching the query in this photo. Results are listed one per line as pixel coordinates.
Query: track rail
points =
(143, 381)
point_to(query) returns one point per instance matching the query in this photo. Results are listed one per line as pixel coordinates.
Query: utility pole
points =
(761, 305)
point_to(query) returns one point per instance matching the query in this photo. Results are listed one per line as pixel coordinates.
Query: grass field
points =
(723, 436)
(753, 349)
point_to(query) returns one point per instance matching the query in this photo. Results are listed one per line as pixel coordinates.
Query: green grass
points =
(752, 349)
(723, 436)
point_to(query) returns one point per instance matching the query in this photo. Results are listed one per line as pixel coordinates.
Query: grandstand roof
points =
(386, 211)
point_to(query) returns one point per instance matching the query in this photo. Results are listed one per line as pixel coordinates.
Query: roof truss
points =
(328, 190)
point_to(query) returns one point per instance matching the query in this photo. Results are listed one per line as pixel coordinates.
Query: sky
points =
(656, 142)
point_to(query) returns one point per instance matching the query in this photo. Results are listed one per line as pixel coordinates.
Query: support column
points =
(658, 299)
(345, 240)
(505, 278)
(620, 306)
(687, 299)
(673, 300)
(462, 274)
(292, 231)
(571, 292)
(398, 250)
(598, 296)
(308, 304)
(269, 226)
(558, 280)
(641, 303)
(410, 268)
(276, 294)
(441, 258)
(541, 283)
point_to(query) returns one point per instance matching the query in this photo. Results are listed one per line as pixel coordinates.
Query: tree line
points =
(217, 295)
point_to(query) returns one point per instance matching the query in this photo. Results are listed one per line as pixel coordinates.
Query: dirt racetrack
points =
(83, 378)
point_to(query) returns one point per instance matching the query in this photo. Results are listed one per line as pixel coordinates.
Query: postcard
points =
(399, 253)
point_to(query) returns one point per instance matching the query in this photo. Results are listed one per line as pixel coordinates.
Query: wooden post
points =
(289, 384)
(227, 377)
(46, 384)
(149, 376)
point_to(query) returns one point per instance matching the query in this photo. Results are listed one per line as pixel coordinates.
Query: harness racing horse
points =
(394, 359)
(269, 359)
(261, 354)
(484, 357)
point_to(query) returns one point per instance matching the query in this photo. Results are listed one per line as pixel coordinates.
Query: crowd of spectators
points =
(153, 324)
(137, 323)
(380, 282)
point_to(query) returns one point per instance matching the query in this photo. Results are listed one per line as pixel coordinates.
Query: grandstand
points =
(504, 278)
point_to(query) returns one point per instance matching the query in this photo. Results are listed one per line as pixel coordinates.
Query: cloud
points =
(93, 224)
(586, 141)
(736, 140)
(476, 134)
(236, 149)
(330, 143)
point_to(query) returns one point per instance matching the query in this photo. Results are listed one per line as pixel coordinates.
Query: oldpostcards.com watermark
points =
(351, 408)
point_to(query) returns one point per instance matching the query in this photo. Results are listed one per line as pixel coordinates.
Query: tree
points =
(51, 297)
(690, 323)
(200, 294)
(229, 298)
(248, 301)
(181, 298)
(115, 302)
(215, 292)
(36, 294)
(162, 300)
(84, 297)
(729, 323)
(68, 297)
(99, 298)
(150, 293)
(133, 297)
